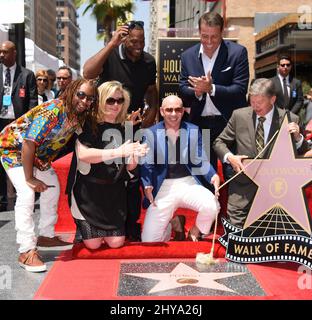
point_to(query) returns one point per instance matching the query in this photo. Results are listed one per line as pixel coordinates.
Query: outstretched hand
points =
(133, 149)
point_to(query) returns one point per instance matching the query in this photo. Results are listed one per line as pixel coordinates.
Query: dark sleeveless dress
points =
(101, 194)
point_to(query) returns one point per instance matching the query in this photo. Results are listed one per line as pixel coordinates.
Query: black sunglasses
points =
(42, 79)
(177, 110)
(112, 101)
(133, 23)
(82, 95)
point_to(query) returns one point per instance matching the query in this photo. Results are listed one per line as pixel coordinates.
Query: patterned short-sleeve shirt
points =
(46, 125)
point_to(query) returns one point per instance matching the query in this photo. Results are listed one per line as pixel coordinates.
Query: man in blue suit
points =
(214, 78)
(173, 173)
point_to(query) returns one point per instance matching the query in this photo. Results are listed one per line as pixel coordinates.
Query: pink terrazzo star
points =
(280, 181)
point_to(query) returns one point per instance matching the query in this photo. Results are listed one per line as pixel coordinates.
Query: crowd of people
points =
(121, 148)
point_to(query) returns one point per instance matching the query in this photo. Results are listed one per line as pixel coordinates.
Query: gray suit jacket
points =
(240, 134)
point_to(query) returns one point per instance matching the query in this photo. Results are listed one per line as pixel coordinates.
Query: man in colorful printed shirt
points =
(27, 147)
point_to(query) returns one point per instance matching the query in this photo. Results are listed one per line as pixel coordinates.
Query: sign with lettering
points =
(278, 225)
(169, 63)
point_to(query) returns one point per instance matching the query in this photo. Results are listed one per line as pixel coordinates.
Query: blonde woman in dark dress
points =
(98, 201)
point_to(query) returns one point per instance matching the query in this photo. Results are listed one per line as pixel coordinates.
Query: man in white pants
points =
(27, 148)
(173, 173)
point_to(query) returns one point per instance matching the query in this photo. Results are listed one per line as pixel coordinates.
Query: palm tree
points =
(107, 12)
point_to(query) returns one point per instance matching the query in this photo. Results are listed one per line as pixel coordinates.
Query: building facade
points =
(67, 34)
(29, 7)
(40, 24)
(45, 28)
(241, 17)
(285, 36)
(159, 22)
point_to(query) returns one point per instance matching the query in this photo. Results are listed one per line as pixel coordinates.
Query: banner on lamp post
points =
(11, 11)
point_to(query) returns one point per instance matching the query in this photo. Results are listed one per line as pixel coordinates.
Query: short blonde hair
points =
(106, 90)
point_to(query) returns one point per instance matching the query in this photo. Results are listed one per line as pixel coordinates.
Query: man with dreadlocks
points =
(27, 147)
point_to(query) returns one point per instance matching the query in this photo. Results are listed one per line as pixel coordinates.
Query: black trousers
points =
(134, 198)
(215, 124)
(3, 175)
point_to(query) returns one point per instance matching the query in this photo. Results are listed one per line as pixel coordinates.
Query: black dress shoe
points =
(178, 223)
(3, 199)
(3, 207)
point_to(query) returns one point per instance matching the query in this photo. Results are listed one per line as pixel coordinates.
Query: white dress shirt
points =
(209, 108)
(282, 83)
(10, 114)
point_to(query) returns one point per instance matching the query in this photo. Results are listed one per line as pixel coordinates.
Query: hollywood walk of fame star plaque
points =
(278, 225)
(187, 279)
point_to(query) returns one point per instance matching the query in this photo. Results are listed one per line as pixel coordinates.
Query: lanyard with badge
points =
(7, 99)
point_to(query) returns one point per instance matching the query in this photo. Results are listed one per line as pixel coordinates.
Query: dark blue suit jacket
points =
(155, 165)
(230, 76)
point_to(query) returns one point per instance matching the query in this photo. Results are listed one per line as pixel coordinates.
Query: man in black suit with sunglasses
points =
(124, 60)
(288, 89)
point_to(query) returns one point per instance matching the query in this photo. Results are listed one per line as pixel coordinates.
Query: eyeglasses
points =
(112, 101)
(285, 65)
(42, 79)
(133, 23)
(62, 78)
(82, 95)
(177, 110)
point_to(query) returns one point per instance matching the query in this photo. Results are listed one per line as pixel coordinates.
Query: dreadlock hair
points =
(68, 95)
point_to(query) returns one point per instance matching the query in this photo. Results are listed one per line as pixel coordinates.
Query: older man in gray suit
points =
(241, 132)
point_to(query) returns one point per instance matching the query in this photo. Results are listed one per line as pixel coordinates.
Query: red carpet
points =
(98, 277)
(65, 222)
(281, 280)
(138, 250)
(99, 280)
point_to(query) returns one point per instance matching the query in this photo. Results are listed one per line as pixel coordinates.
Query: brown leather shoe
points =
(178, 223)
(55, 243)
(31, 261)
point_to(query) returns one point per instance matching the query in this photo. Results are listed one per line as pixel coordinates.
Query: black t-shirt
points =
(135, 76)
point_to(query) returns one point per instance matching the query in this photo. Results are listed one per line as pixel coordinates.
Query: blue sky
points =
(88, 43)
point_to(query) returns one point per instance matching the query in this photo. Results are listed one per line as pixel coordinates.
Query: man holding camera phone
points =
(124, 60)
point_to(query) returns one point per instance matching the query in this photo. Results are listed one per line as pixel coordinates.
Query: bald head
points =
(172, 111)
(8, 53)
(172, 99)
(8, 45)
